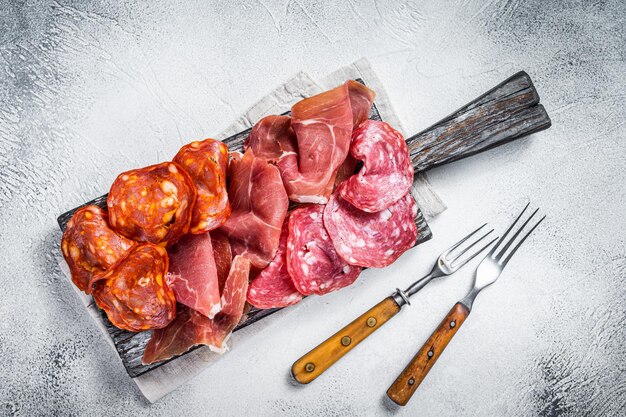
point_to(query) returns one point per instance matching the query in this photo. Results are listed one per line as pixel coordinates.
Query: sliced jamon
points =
(313, 264)
(273, 287)
(259, 206)
(223, 256)
(191, 328)
(310, 147)
(387, 172)
(371, 239)
(193, 275)
(207, 163)
(361, 100)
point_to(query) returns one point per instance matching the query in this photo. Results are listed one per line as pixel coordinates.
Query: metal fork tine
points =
(456, 245)
(508, 231)
(477, 252)
(508, 244)
(470, 246)
(506, 260)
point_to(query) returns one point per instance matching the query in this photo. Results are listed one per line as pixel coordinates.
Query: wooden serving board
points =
(509, 111)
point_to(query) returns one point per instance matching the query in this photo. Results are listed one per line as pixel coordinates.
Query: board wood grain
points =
(506, 112)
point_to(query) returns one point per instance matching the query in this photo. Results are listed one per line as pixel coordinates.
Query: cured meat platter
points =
(509, 111)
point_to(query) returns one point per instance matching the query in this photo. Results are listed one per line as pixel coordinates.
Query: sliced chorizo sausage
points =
(90, 246)
(207, 164)
(152, 204)
(134, 292)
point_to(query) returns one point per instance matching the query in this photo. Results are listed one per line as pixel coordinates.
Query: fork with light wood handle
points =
(314, 363)
(487, 273)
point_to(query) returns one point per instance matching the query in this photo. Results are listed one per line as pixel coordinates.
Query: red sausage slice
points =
(152, 204)
(90, 246)
(134, 293)
(314, 265)
(387, 173)
(207, 164)
(371, 239)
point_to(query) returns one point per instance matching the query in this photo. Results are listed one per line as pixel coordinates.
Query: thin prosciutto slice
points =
(311, 146)
(273, 287)
(259, 206)
(223, 256)
(191, 328)
(193, 274)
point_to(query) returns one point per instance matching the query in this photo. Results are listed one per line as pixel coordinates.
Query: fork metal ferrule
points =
(401, 298)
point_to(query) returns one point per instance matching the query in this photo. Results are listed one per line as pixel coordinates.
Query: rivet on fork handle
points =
(406, 384)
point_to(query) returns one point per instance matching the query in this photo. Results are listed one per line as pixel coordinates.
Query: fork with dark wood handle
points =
(487, 273)
(314, 363)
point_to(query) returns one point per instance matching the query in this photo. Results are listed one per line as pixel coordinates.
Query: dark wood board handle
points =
(508, 111)
(322, 357)
(405, 385)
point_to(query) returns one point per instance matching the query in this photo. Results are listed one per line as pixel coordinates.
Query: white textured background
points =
(91, 88)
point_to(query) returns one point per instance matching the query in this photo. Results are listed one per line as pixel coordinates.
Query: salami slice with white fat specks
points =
(273, 287)
(387, 172)
(371, 239)
(314, 265)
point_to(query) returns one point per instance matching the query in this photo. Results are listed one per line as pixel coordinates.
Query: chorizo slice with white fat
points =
(371, 239)
(134, 293)
(152, 204)
(387, 172)
(90, 246)
(312, 261)
(207, 164)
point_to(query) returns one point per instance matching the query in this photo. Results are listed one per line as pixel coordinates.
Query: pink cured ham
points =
(314, 265)
(193, 274)
(310, 147)
(191, 328)
(273, 287)
(361, 100)
(387, 172)
(259, 206)
(223, 256)
(371, 239)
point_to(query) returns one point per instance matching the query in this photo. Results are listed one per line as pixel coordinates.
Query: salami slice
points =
(387, 172)
(313, 264)
(90, 246)
(371, 239)
(207, 164)
(223, 256)
(152, 204)
(193, 274)
(191, 328)
(273, 287)
(134, 293)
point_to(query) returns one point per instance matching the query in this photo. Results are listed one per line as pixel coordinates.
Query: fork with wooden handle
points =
(314, 363)
(487, 273)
